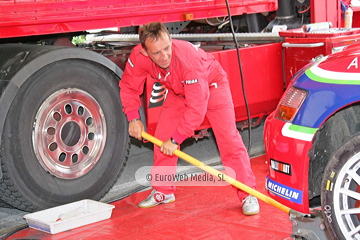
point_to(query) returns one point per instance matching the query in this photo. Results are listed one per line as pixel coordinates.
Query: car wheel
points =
(340, 195)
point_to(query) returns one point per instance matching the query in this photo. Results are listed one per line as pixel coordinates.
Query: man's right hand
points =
(135, 129)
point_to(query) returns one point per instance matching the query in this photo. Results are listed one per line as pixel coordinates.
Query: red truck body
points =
(31, 17)
(263, 91)
(37, 18)
(72, 142)
(44, 153)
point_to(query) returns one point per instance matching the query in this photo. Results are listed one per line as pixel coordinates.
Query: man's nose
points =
(163, 54)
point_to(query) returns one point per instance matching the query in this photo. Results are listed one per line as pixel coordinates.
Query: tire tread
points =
(336, 131)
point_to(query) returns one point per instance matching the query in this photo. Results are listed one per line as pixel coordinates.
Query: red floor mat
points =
(198, 213)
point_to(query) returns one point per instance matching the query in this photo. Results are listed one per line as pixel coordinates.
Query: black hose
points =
(14, 230)
(126, 194)
(241, 73)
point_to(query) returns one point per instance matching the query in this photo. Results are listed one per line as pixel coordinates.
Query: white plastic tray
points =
(69, 216)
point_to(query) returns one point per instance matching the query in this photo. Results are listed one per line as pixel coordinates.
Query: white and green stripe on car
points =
(298, 132)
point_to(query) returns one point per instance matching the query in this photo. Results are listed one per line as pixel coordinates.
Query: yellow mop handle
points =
(216, 173)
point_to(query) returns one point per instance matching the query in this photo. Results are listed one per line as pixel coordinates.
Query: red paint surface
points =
(298, 57)
(197, 213)
(290, 151)
(264, 85)
(34, 17)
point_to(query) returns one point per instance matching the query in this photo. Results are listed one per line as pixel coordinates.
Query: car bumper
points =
(287, 156)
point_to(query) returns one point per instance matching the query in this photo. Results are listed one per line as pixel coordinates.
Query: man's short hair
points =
(153, 31)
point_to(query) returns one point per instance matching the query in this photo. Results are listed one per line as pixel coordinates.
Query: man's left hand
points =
(168, 147)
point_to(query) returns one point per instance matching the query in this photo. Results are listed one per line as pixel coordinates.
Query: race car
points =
(312, 142)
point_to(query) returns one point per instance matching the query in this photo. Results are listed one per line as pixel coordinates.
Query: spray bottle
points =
(348, 18)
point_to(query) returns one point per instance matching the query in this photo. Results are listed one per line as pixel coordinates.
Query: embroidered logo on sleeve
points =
(192, 81)
(131, 64)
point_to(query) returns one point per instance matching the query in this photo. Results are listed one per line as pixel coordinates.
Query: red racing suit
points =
(197, 87)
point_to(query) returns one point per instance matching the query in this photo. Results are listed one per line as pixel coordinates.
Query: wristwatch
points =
(173, 141)
(134, 120)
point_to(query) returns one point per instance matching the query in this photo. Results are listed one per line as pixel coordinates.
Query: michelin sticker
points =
(283, 191)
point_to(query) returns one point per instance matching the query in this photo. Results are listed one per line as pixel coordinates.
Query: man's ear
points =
(143, 51)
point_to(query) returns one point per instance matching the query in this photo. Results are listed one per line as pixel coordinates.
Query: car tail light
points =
(290, 103)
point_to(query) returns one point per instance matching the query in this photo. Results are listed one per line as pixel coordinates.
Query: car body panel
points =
(332, 83)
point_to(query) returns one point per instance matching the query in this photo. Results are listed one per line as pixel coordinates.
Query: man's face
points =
(159, 51)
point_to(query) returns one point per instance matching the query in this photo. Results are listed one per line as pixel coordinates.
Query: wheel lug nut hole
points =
(89, 121)
(74, 158)
(85, 150)
(91, 136)
(62, 157)
(80, 111)
(53, 146)
(50, 131)
(68, 108)
(57, 116)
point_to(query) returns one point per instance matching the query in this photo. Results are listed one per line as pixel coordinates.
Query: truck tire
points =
(65, 136)
(340, 195)
(4, 204)
(335, 132)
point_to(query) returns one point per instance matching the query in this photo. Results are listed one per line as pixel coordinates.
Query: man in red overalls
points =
(197, 87)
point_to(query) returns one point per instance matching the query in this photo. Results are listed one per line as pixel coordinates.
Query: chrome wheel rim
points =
(347, 198)
(69, 133)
